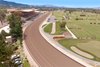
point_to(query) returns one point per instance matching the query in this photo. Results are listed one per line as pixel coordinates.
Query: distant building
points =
(25, 13)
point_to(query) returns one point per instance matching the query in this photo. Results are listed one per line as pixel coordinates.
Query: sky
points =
(64, 3)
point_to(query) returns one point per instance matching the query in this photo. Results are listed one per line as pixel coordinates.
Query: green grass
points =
(71, 42)
(88, 46)
(58, 14)
(91, 47)
(2, 65)
(59, 30)
(86, 29)
(83, 29)
(26, 64)
(48, 28)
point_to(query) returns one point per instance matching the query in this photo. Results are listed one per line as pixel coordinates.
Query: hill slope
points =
(4, 3)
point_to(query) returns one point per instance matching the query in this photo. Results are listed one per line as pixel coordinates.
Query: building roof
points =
(23, 10)
(27, 10)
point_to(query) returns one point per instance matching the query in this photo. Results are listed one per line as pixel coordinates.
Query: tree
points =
(6, 50)
(4, 34)
(62, 25)
(15, 26)
(2, 15)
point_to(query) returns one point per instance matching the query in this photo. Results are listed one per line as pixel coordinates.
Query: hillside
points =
(4, 3)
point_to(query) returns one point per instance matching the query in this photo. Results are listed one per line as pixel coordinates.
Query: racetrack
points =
(42, 51)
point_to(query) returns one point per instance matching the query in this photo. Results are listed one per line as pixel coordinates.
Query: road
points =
(42, 51)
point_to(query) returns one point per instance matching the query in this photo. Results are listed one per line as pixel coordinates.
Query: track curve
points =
(42, 51)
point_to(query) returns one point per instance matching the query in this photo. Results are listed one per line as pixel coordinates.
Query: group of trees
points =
(97, 11)
(2, 15)
(7, 49)
(15, 23)
(15, 26)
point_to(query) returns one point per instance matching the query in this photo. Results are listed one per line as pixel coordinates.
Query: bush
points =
(62, 25)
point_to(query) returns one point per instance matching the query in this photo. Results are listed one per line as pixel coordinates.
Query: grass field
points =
(91, 47)
(48, 28)
(71, 42)
(58, 14)
(86, 27)
(26, 64)
(88, 46)
(59, 30)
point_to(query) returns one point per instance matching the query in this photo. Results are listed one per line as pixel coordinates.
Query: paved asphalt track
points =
(42, 51)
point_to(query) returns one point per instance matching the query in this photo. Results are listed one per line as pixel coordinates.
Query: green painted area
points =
(48, 28)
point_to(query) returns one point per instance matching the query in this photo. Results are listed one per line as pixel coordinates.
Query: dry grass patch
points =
(92, 47)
